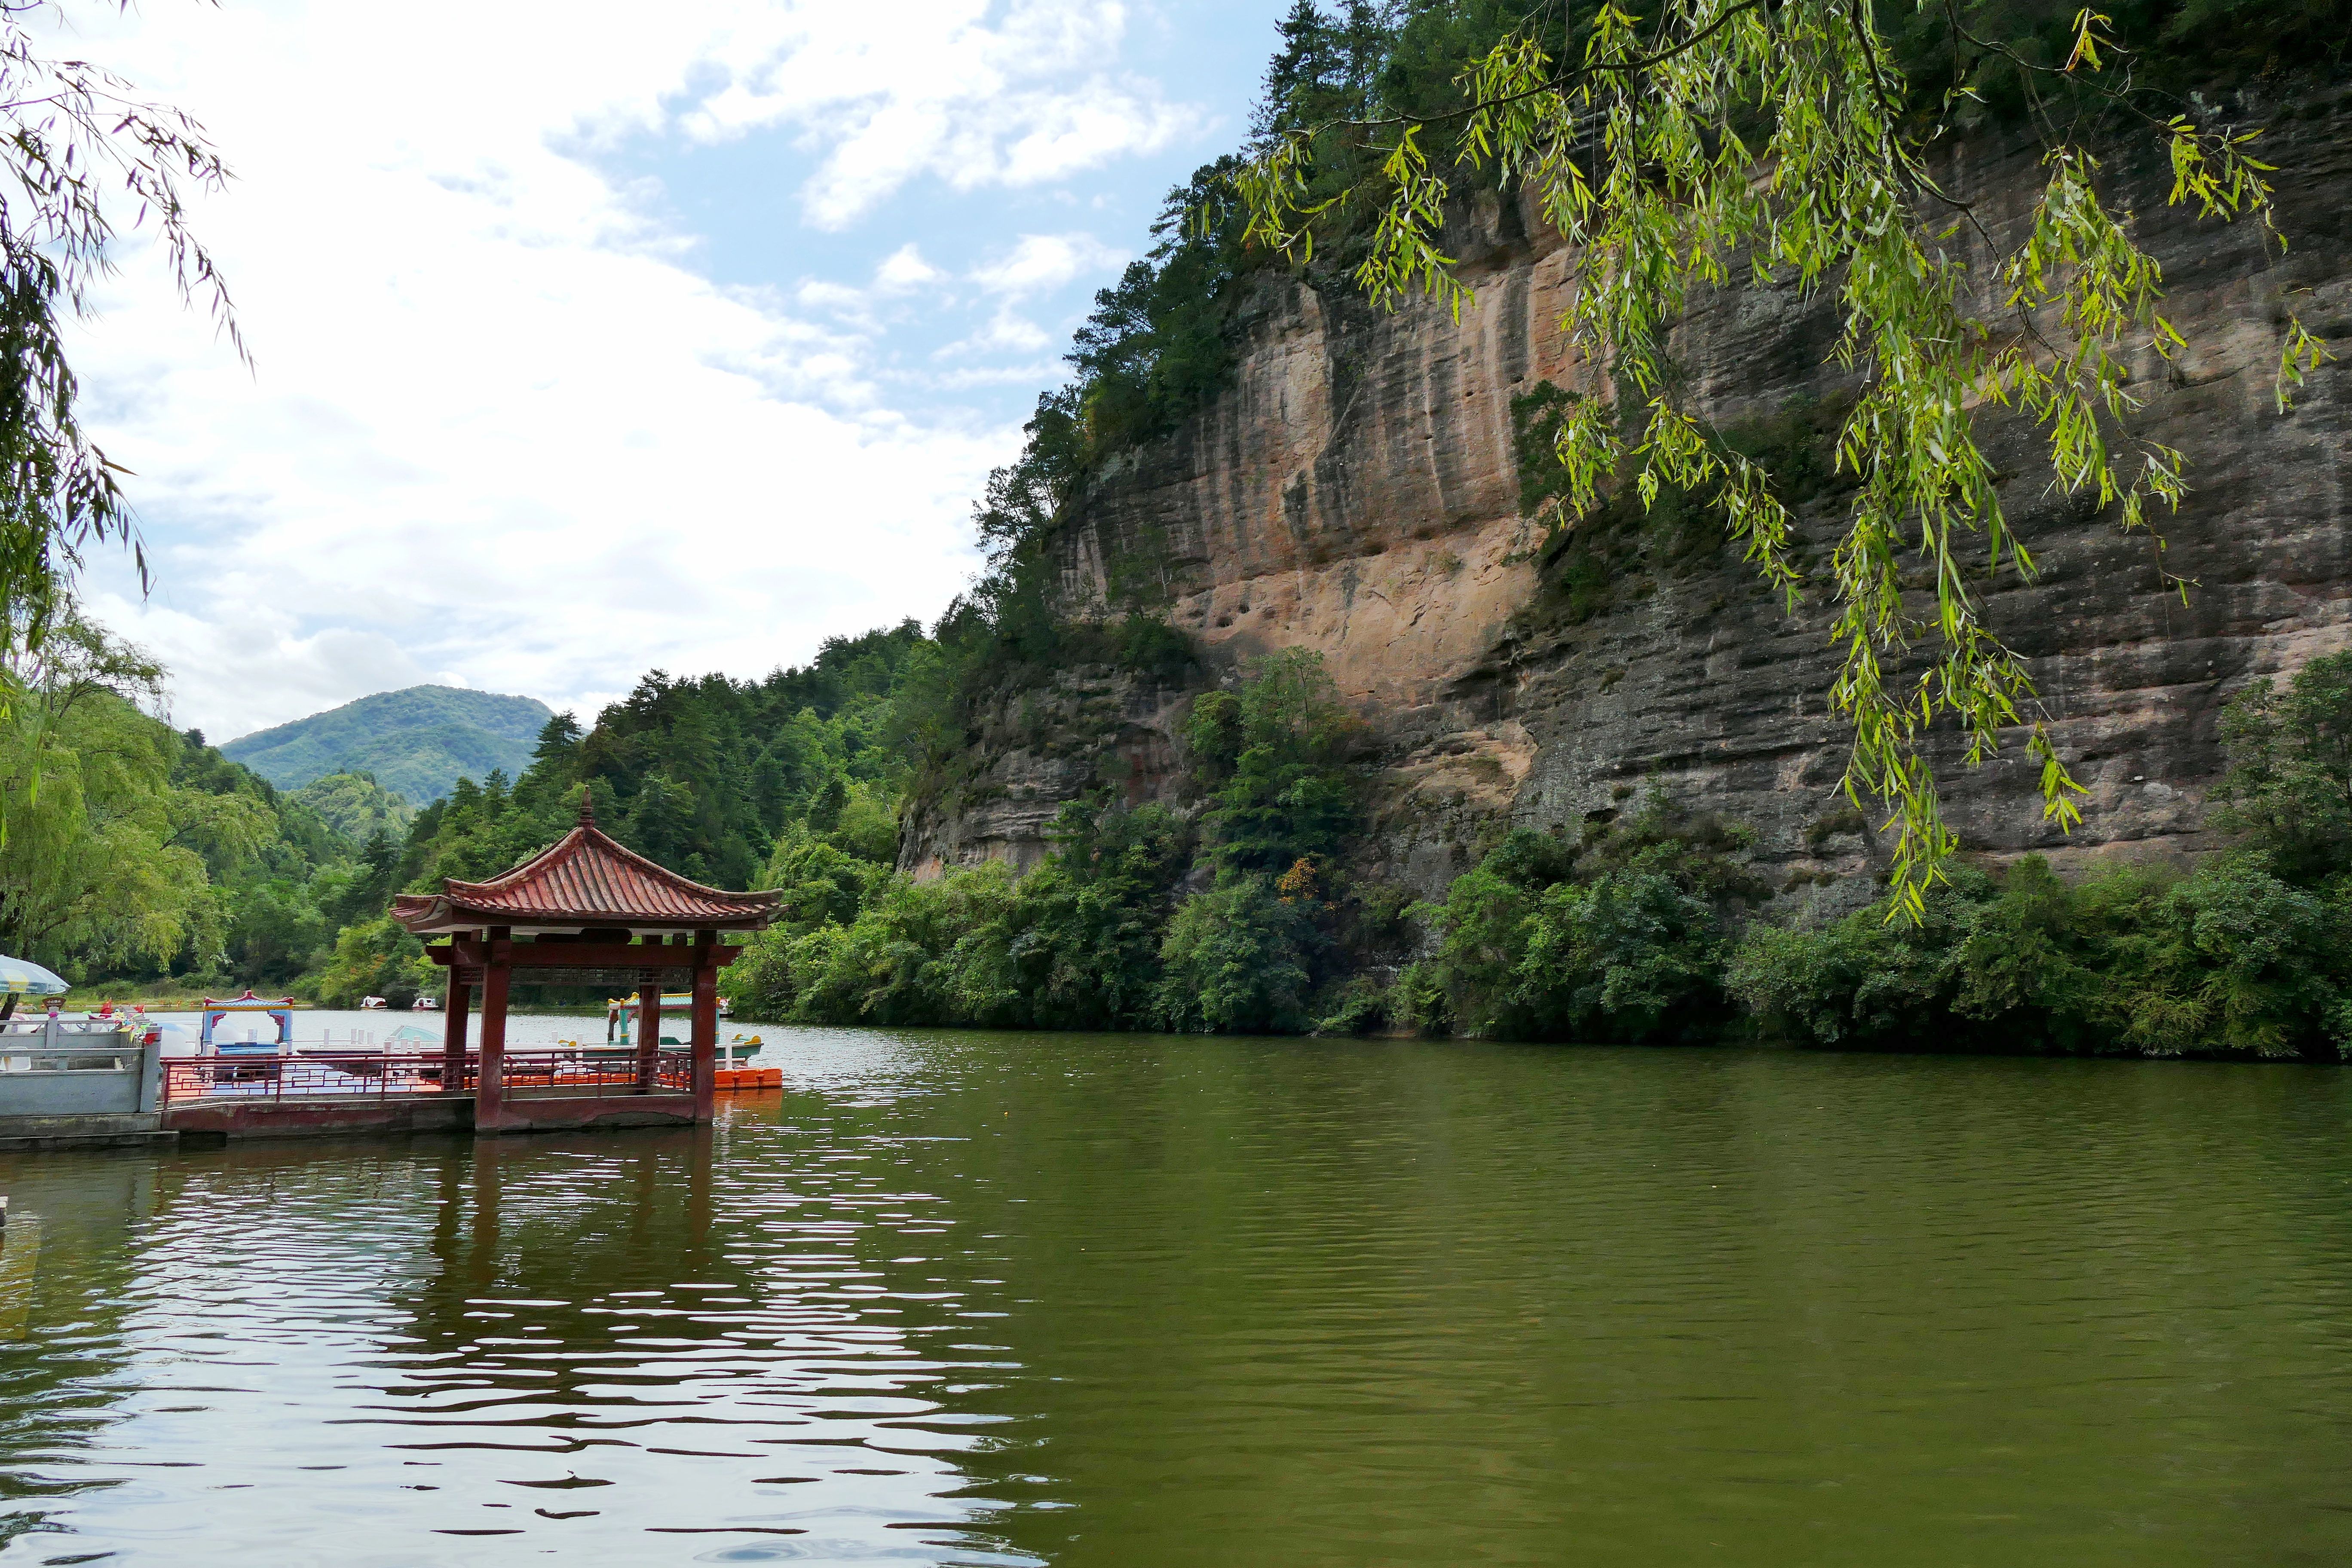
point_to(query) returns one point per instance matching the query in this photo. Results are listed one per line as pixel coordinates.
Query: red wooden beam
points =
(584, 955)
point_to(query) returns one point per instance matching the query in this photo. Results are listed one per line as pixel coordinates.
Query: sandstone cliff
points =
(1359, 490)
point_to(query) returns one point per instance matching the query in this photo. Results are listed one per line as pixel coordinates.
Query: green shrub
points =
(1238, 959)
(1271, 756)
(1863, 981)
(1364, 1006)
(378, 959)
(1630, 956)
(1419, 1001)
(2289, 787)
(1619, 936)
(2230, 960)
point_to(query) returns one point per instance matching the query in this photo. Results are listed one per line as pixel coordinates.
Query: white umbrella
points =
(18, 978)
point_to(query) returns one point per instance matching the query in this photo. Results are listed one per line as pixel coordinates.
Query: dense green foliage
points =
(416, 742)
(2228, 961)
(1643, 928)
(1633, 933)
(2289, 787)
(1096, 937)
(139, 853)
(1071, 945)
(2247, 955)
(356, 807)
(1619, 936)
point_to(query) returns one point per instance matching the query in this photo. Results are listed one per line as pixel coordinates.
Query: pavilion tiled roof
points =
(584, 879)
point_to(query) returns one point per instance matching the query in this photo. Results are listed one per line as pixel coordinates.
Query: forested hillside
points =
(416, 742)
(149, 857)
(356, 807)
(732, 782)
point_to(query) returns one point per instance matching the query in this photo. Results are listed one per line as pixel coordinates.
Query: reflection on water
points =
(966, 1299)
(457, 1350)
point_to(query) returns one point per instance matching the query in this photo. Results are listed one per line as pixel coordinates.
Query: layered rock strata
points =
(1359, 490)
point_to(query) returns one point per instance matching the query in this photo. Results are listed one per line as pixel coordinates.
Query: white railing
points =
(54, 1067)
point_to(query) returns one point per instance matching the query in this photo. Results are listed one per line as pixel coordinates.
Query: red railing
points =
(310, 1076)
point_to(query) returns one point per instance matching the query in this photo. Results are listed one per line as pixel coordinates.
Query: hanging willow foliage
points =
(1751, 139)
(78, 149)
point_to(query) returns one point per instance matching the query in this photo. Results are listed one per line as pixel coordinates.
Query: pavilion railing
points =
(313, 1078)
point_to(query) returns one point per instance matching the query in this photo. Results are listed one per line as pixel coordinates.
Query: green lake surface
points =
(959, 1298)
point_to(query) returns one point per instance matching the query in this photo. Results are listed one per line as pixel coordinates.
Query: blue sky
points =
(590, 338)
(743, 201)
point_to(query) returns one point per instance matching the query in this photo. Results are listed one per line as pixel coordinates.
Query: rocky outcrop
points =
(1359, 491)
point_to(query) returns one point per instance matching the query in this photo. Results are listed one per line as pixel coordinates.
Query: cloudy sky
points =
(590, 338)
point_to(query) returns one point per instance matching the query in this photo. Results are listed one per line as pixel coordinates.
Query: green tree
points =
(1620, 934)
(1272, 757)
(1078, 944)
(378, 958)
(1239, 959)
(2289, 785)
(356, 805)
(276, 934)
(369, 890)
(91, 873)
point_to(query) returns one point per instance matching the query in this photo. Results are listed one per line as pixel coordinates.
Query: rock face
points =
(1359, 490)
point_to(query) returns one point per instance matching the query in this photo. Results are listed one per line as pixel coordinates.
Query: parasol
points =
(19, 978)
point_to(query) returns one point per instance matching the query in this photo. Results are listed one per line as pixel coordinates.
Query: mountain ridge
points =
(417, 741)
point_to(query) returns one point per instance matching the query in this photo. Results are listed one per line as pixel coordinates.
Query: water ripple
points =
(968, 1298)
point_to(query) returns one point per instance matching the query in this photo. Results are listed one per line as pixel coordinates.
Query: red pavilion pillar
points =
(649, 998)
(491, 1085)
(706, 1025)
(453, 1032)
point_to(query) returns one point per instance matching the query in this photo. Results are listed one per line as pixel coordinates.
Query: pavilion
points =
(584, 911)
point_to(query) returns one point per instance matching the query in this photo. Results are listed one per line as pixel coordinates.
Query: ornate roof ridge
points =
(585, 878)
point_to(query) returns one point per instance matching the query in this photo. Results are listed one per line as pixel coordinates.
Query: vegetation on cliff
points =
(1096, 937)
(1239, 915)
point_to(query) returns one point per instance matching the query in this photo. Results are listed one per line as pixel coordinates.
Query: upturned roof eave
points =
(516, 898)
(435, 913)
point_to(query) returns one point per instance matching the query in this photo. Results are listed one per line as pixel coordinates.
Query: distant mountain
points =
(417, 744)
(358, 807)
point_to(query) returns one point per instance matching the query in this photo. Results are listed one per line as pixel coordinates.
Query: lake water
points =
(1003, 1299)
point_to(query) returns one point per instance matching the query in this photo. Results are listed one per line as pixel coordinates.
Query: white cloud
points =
(904, 269)
(1043, 262)
(1007, 332)
(495, 430)
(945, 89)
